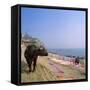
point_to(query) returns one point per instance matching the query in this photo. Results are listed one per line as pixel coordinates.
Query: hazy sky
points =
(56, 28)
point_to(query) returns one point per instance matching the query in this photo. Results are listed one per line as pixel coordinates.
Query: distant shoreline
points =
(69, 52)
(67, 56)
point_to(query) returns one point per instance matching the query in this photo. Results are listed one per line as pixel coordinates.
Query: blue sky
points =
(55, 28)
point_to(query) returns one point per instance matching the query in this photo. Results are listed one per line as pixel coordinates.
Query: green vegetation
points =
(82, 61)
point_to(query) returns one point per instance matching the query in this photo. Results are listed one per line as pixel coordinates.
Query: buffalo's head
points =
(42, 51)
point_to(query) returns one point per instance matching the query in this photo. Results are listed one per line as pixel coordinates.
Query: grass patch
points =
(41, 74)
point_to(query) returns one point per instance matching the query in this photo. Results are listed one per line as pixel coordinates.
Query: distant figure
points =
(77, 61)
(31, 54)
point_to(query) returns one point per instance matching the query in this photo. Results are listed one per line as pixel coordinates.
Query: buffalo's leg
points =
(30, 69)
(29, 62)
(34, 63)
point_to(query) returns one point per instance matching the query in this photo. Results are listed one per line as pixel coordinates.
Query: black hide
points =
(31, 54)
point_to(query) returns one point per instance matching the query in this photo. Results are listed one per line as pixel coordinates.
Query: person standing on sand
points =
(77, 61)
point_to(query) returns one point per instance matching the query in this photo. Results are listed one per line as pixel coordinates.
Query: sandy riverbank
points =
(54, 68)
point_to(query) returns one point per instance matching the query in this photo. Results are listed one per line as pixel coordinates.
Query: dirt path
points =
(67, 63)
(55, 68)
(59, 71)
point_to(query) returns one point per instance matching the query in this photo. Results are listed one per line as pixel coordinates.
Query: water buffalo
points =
(31, 53)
